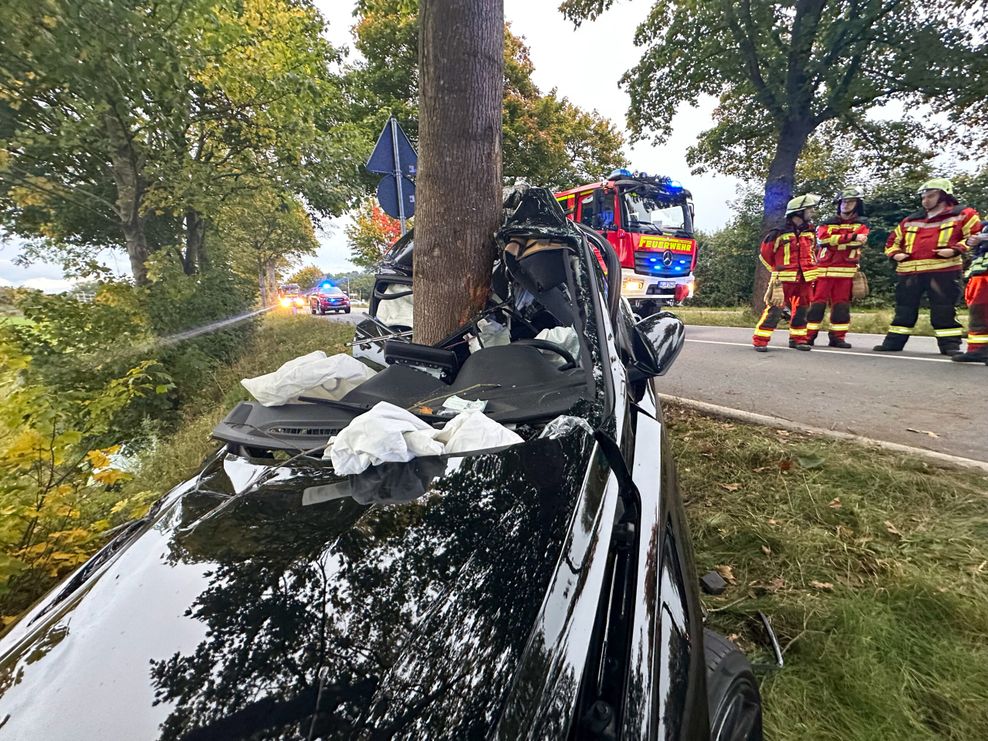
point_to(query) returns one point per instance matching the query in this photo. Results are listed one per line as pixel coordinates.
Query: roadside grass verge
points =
(279, 339)
(871, 566)
(867, 321)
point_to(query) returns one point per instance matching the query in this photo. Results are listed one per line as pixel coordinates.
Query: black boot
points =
(950, 349)
(893, 342)
(843, 344)
(970, 357)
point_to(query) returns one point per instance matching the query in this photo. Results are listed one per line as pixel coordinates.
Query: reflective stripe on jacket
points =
(835, 257)
(920, 236)
(788, 252)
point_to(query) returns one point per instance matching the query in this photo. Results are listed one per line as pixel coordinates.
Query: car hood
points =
(440, 598)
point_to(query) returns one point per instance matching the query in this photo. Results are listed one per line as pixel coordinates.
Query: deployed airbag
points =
(390, 434)
(314, 374)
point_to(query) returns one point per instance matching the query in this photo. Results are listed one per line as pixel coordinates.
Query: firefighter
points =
(976, 296)
(788, 253)
(839, 241)
(927, 247)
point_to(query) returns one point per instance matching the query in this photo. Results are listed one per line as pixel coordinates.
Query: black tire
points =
(312, 309)
(732, 692)
(346, 310)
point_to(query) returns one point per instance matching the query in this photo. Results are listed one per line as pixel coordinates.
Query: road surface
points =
(885, 396)
(895, 397)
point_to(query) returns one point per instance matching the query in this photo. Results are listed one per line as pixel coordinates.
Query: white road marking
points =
(884, 356)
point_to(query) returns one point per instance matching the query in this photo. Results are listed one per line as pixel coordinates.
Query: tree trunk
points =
(778, 190)
(195, 231)
(125, 164)
(458, 191)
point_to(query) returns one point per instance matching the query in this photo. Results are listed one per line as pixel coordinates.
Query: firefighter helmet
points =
(937, 184)
(850, 191)
(800, 203)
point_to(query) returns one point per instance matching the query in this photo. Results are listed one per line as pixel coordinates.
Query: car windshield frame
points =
(648, 201)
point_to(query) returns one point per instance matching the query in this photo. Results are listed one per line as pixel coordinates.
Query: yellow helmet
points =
(802, 202)
(937, 184)
(851, 191)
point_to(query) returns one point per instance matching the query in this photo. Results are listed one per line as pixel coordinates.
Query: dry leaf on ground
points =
(922, 432)
(766, 550)
(835, 503)
(892, 528)
(727, 573)
(822, 585)
(729, 487)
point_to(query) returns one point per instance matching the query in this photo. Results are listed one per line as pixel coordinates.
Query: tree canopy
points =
(546, 139)
(131, 123)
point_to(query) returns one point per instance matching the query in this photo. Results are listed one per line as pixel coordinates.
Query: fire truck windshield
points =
(648, 215)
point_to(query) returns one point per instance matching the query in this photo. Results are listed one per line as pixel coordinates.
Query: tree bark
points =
(458, 190)
(778, 190)
(126, 165)
(195, 232)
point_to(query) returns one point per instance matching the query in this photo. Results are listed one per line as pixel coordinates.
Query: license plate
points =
(667, 284)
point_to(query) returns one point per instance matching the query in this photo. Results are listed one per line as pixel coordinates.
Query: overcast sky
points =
(583, 64)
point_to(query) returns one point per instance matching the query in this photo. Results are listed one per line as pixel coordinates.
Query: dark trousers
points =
(837, 293)
(943, 290)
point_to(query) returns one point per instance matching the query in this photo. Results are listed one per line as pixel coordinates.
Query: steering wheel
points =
(551, 347)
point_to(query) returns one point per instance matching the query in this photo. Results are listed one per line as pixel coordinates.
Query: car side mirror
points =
(657, 340)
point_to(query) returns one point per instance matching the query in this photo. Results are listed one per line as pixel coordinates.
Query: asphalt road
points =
(898, 397)
(881, 396)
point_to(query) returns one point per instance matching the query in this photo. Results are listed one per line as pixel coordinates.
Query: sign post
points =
(395, 158)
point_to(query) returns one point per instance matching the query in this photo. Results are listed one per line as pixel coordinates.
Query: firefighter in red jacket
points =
(839, 240)
(927, 248)
(788, 254)
(976, 296)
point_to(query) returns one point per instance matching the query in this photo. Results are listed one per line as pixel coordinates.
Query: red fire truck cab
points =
(649, 220)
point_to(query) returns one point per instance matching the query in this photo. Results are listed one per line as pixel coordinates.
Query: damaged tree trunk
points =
(458, 188)
(778, 190)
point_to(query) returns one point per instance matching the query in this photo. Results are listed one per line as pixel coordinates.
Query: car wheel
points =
(312, 309)
(732, 692)
(346, 311)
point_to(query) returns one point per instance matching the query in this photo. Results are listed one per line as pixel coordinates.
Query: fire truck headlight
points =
(634, 285)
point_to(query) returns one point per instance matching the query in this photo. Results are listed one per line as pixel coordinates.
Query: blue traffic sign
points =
(382, 159)
(387, 196)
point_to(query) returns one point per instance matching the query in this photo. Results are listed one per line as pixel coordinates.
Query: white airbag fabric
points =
(566, 338)
(390, 434)
(314, 374)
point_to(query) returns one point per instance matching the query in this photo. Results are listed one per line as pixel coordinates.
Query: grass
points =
(871, 565)
(280, 338)
(869, 321)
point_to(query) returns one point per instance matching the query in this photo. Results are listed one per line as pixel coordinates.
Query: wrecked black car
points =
(544, 589)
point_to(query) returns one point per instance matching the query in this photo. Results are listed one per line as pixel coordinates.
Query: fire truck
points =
(649, 220)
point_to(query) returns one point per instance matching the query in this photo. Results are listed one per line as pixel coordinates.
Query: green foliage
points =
(306, 277)
(725, 265)
(771, 66)
(547, 140)
(59, 481)
(142, 138)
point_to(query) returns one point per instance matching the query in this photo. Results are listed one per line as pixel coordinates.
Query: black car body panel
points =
(497, 595)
